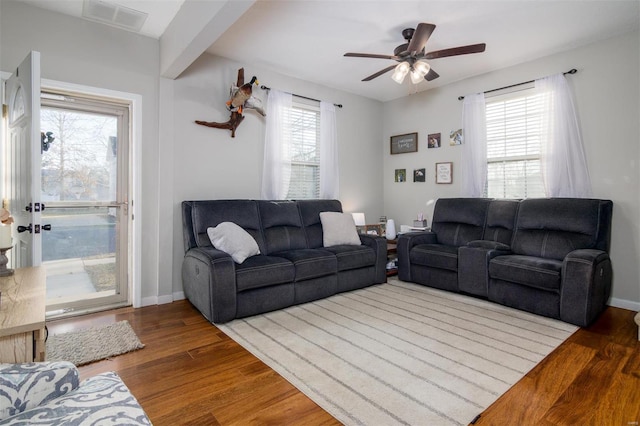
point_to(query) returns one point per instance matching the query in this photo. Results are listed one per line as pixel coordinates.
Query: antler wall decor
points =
(240, 97)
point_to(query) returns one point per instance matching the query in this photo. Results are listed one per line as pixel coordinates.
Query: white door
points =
(23, 162)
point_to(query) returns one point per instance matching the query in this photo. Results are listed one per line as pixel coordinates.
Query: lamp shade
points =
(358, 218)
(400, 72)
(419, 70)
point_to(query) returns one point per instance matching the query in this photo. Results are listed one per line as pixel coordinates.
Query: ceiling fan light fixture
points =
(400, 72)
(419, 70)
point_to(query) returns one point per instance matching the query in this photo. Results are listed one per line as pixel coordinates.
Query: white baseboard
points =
(149, 301)
(624, 304)
(161, 300)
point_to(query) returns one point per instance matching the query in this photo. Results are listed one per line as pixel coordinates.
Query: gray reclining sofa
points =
(293, 265)
(547, 256)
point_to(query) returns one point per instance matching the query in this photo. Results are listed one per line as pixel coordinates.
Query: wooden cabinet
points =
(22, 315)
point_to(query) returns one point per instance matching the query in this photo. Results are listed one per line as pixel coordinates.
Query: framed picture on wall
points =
(401, 175)
(444, 172)
(404, 143)
(433, 140)
(455, 137)
(419, 175)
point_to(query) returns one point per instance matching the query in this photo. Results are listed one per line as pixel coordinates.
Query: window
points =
(513, 146)
(305, 152)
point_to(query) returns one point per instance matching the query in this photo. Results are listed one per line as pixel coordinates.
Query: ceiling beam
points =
(196, 26)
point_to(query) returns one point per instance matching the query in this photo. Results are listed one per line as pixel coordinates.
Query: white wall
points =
(209, 164)
(81, 52)
(607, 93)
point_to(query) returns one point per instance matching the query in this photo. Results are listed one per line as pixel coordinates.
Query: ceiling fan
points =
(413, 58)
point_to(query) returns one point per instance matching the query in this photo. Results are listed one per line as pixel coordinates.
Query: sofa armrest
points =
(379, 246)
(209, 282)
(585, 287)
(405, 243)
(26, 386)
(103, 399)
(473, 265)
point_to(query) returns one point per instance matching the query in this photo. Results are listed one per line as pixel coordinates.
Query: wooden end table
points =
(22, 315)
(392, 250)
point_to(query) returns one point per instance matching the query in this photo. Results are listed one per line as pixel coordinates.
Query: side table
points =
(392, 250)
(22, 315)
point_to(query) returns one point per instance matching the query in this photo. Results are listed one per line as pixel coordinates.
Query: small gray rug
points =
(93, 344)
(400, 353)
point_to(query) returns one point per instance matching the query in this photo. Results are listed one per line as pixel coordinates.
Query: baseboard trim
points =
(624, 304)
(149, 301)
(162, 300)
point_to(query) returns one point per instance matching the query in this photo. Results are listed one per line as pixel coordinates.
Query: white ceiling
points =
(307, 39)
(161, 12)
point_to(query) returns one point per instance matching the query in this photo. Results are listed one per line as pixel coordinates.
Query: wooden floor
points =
(191, 373)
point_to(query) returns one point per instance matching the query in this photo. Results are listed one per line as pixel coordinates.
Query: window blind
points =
(305, 152)
(513, 146)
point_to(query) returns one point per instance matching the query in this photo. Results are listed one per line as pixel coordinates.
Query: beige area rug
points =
(400, 353)
(93, 344)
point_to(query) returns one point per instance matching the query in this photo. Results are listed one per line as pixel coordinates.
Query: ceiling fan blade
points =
(379, 73)
(420, 36)
(454, 51)
(431, 75)
(370, 55)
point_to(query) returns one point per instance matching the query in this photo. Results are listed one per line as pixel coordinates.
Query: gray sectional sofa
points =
(293, 266)
(546, 256)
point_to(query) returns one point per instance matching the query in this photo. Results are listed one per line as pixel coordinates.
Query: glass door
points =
(84, 179)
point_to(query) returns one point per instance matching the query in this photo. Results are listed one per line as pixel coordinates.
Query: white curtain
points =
(329, 180)
(474, 147)
(564, 163)
(276, 172)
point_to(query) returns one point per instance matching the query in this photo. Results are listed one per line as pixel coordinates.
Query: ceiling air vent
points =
(114, 14)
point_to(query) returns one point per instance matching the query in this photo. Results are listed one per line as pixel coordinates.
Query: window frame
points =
(302, 105)
(529, 133)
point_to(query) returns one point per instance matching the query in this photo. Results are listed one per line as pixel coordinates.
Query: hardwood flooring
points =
(192, 373)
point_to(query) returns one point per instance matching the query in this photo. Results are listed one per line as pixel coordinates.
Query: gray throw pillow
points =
(233, 240)
(338, 229)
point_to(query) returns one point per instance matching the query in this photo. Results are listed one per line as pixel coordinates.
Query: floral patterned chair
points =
(50, 393)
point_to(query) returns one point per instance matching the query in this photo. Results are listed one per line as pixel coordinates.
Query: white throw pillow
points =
(338, 228)
(233, 240)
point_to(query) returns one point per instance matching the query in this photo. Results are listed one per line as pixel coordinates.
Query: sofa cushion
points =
(233, 240)
(338, 229)
(310, 263)
(435, 255)
(501, 220)
(281, 225)
(99, 400)
(263, 271)
(353, 257)
(310, 214)
(552, 228)
(527, 270)
(456, 221)
(26, 386)
(198, 216)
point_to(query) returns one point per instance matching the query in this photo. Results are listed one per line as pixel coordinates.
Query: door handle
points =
(24, 228)
(29, 228)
